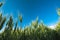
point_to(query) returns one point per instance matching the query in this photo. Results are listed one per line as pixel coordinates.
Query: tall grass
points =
(36, 31)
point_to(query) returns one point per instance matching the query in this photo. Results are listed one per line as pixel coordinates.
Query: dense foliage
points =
(35, 31)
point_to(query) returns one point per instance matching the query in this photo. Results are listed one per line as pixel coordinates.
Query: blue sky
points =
(30, 9)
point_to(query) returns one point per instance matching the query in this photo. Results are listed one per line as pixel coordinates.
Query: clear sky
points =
(30, 9)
